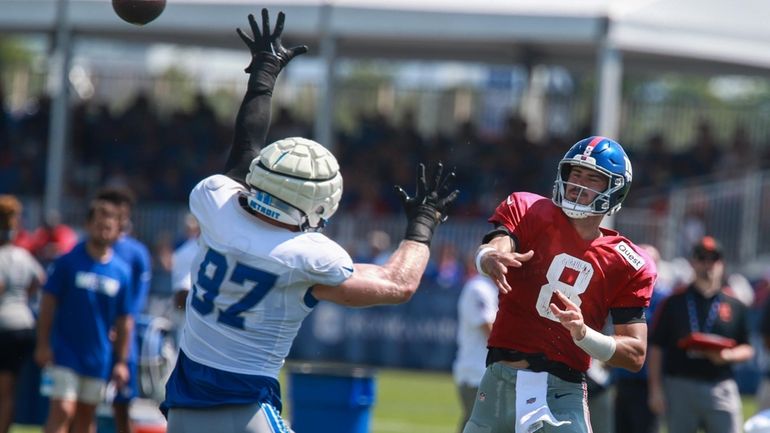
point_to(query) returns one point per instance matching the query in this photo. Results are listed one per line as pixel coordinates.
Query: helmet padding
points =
(302, 173)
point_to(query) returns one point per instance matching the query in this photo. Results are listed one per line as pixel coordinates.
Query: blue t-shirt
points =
(137, 256)
(90, 296)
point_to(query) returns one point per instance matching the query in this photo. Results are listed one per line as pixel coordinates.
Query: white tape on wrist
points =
(479, 256)
(598, 345)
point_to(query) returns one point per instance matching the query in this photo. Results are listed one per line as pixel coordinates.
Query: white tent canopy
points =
(710, 36)
(715, 31)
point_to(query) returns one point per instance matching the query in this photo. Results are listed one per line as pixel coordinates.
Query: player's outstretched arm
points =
(397, 280)
(268, 58)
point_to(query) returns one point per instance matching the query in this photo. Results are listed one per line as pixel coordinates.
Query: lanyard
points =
(710, 319)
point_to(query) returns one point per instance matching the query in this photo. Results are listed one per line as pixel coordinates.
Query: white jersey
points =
(477, 305)
(181, 264)
(251, 283)
(18, 270)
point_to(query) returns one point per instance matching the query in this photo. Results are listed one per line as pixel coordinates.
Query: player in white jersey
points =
(476, 311)
(263, 263)
(181, 275)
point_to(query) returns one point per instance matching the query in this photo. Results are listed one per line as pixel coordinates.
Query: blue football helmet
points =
(605, 156)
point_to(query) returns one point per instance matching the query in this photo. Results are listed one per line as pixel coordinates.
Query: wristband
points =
(479, 256)
(596, 344)
(421, 225)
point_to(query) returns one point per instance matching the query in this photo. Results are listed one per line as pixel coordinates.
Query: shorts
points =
(17, 346)
(63, 383)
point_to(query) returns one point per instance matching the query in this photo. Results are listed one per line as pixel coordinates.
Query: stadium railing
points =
(736, 211)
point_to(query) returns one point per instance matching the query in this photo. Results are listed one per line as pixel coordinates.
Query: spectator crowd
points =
(161, 157)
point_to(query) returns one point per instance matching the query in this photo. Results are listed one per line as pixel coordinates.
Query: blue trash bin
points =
(331, 399)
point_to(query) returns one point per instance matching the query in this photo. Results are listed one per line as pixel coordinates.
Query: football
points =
(138, 12)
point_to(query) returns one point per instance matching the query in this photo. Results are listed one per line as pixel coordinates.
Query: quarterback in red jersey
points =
(560, 276)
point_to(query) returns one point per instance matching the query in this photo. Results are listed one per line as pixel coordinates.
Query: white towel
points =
(531, 404)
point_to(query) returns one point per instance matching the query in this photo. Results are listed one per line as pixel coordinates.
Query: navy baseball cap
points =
(707, 248)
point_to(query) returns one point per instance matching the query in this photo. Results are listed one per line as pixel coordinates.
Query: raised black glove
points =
(268, 55)
(428, 208)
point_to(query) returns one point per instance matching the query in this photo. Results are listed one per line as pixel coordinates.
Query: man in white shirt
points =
(181, 265)
(476, 310)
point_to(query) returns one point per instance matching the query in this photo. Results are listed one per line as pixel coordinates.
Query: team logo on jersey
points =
(630, 255)
(725, 312)
(97, 283)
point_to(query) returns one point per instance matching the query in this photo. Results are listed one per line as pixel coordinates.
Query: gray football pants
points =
(495, 408)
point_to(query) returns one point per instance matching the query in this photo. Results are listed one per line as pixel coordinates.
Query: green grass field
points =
(408, 401)
(411, 401)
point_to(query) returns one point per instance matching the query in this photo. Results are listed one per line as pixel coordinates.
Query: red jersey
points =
(607, 272)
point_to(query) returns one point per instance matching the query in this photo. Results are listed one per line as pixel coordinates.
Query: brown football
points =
(138, 12)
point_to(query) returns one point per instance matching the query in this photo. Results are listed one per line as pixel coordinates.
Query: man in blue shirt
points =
(86, 295)
(136, 254)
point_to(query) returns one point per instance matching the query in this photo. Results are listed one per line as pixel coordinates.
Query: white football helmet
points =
(295, 174)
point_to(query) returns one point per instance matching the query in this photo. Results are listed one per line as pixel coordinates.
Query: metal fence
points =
(735, 211)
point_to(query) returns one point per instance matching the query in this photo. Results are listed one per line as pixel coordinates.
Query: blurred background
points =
(497, 89)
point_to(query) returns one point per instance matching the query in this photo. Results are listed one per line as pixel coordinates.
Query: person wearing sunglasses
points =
(698, 335)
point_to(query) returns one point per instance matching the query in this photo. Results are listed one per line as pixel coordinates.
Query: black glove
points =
(268, 55)
(428, 208)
